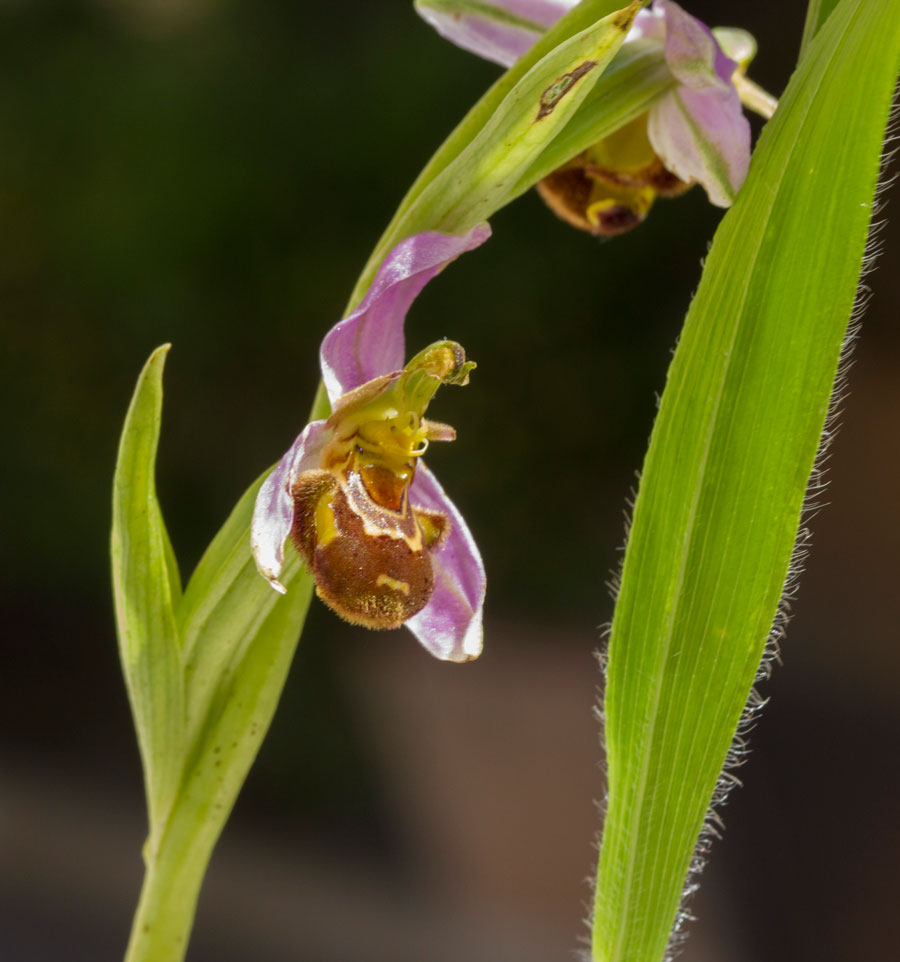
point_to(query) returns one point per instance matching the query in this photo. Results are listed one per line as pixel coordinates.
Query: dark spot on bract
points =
(554, 94)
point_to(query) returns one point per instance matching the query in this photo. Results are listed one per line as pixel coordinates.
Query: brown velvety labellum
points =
(369, 571)
(568, 194)
(605, 201)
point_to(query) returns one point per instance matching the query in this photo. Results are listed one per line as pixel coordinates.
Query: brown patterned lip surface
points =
(373, 580)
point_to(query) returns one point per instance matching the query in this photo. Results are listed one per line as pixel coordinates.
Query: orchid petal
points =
(692, 53)
(501, 30)
(703, 136)
(449, 626)
(699, 130)
(369, 341)
(648, 25)
(273, 514)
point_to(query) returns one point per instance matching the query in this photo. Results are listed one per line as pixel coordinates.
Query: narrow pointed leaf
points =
(731, 454)
(239, 641)
(146, 588)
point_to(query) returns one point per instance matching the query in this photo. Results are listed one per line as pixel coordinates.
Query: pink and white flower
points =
(367, 515)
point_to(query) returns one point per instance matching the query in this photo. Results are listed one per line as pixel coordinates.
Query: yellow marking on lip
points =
(392, 583)
(326, 529)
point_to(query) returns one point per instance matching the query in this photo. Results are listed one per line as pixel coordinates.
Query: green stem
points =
(174, 875)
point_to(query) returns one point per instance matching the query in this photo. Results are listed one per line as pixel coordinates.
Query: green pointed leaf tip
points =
(730, 458)
(146, 588)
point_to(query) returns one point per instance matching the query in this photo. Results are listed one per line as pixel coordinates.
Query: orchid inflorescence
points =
(384, 543)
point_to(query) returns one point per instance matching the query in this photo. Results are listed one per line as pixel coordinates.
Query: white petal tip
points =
(472, 643)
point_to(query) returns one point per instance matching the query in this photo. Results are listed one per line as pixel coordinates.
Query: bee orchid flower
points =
(694, 133)
(384, 543)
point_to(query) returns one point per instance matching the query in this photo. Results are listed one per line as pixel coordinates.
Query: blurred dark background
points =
(213, 173)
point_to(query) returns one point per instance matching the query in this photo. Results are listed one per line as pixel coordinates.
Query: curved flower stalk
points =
(385, 544)
(695, 133)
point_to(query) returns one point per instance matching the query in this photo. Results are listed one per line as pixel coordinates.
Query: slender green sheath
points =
(579, 18)
(146, 589)
(213, 775)
(730, 457)
(481, 179)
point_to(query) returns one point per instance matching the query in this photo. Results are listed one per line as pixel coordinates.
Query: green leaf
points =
(730, 458)
(479, 166)
(146, 589)
(204, 673)
(239, 637)
(224, 607)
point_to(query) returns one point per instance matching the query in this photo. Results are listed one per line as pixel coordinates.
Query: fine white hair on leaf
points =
(714, 825)
(812, 504)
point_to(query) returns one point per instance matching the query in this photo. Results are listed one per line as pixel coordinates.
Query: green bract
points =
(486, 162)
(637, 77)
(732, 450)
